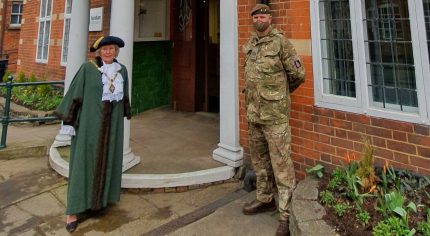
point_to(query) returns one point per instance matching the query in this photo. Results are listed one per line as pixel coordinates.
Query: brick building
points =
(10, 25)
(367, 68)
(43, 55)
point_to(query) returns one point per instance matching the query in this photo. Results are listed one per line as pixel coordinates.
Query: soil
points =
(348, 225)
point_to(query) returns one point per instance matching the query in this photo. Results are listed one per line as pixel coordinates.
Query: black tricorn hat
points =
(106, 40)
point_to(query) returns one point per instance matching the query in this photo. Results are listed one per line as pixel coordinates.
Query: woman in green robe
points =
(93, 112)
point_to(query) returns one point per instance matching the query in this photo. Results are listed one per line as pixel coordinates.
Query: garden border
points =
(306, 212)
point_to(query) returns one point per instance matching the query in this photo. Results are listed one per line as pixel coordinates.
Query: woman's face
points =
(108, 53)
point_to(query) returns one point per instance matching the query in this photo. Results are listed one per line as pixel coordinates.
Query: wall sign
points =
(96, 19)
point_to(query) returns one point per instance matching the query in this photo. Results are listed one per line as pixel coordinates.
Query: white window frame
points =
(19, 14)
(46, 18)
(361, 103)
(65, 44)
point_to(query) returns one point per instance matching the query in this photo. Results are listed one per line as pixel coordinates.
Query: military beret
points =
(106, 40)
(260, 9)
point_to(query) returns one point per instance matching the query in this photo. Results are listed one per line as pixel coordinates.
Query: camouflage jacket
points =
(272, 71)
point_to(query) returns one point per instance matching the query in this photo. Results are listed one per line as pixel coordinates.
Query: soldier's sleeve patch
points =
(296, 62)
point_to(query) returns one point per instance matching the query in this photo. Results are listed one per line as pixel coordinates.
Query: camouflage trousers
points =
(270, 147)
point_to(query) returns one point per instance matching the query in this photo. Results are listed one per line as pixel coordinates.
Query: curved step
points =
(154, 180)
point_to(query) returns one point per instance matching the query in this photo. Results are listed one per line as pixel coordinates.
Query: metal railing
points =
(6, 117)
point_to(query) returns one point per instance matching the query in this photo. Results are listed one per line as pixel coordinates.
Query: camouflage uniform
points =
(272, 71)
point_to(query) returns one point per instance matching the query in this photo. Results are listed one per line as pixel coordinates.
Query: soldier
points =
(272, 71)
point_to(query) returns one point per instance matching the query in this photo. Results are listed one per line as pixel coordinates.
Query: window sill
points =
(14, 27)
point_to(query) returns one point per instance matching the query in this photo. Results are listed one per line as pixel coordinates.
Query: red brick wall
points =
(52, 70)
(93, 36)
(327, 136)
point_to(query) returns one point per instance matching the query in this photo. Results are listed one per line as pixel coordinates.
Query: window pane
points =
(66, 40)
(427, 21)
(16, 8)
(46, 40)
(69, 7)
(14, 19)
(43, 8)
(16, 14)
(389, 55)
(336, 48)
(48, 8)
(40, 40)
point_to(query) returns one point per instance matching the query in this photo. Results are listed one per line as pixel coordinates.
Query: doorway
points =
(195, 65)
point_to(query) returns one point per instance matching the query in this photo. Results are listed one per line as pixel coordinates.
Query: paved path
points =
(33, 196)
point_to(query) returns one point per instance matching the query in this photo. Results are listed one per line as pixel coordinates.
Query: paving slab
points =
(229, 220)
(27, 179)
(14, 220)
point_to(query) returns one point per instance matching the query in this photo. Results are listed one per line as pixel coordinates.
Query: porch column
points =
(122, 25)
(229, 150)
(77, 53)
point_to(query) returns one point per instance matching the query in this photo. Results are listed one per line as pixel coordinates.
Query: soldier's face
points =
(261, 21)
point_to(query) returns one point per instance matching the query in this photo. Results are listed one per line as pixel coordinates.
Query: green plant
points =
(363, 216)
(340, 208)
(21, 77)
(336, 179)
(32, 78)
(389, 179)
(392, 226)
(393, 202)
(327, 197)
(366, 171)
(5, 76)
(40, 97)
(352, 181)
(424, 226)
(317, 170)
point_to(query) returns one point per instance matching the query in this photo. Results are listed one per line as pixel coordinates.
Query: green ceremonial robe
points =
(96, 152)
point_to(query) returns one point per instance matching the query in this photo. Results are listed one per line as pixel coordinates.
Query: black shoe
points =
(256, 207)
(71, 227)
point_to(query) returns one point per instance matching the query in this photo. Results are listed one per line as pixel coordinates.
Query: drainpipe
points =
(3, 28)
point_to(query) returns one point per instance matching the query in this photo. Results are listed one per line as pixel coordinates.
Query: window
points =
(16, 14)
(66, 31)
(44, 31)
(336, 43)
(370, 57)
(152, 20)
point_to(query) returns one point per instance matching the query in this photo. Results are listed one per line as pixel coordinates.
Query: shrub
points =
(424, 226)
(5, 76)
(340, 208)
(363, 216)
(21, 77)
(392, 226)
(366, 171)
(336, 179)
(40, 97)
(327, 197)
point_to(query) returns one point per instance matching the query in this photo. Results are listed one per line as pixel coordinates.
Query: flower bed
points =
(361, 199)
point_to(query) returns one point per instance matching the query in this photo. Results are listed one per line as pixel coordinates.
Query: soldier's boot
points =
(256, 207)
(283, 228)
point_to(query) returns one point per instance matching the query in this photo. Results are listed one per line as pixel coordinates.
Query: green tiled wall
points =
(152, 75)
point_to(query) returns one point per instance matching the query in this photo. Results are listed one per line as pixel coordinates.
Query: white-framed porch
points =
(228, 151)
